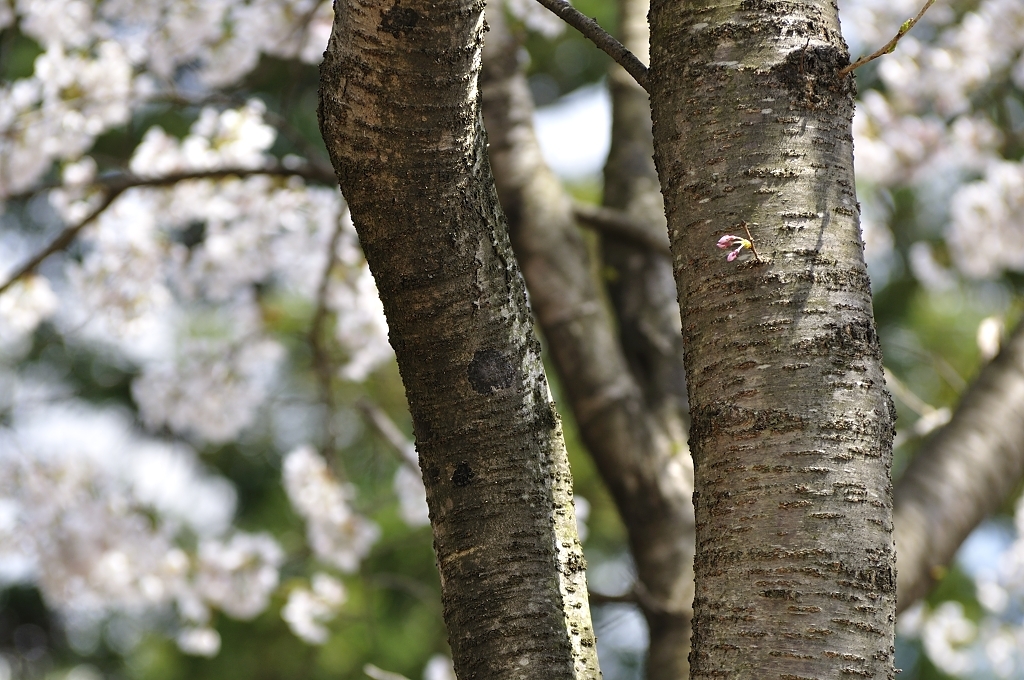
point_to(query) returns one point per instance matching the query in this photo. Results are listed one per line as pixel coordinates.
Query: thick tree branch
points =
(118, 184)
(888, 47)
(640, 456)
(642, 293)
(966, 471)
(597, 35)
(620, 224)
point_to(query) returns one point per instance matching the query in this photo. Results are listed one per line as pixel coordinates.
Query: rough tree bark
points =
(635, 435)
(791, 428)
(966, 471)
(400, 115)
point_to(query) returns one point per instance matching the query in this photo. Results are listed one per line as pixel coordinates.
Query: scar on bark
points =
(399, 21)
(490, 371)
(810, 70)
(463, 474)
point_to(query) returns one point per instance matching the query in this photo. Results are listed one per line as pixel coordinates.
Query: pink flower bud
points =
(738, 243)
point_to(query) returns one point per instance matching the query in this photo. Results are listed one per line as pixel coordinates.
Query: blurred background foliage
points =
(392, 618)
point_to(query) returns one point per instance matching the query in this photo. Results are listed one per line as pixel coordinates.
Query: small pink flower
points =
(738, 243)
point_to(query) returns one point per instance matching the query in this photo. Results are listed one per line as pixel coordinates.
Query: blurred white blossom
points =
(307, 610)
(335, 532)
(582, 506)
(212, 388)
(199, 641)
(988, 648)
(233, 138)
(989, 337)
(361, 326)
(412, 497)
(439, 668)
(24, 305)
(238, 575)
(946, 635)
(985, 233)
(57, 113)
(93, 513)
(536, 17)
(944, 74)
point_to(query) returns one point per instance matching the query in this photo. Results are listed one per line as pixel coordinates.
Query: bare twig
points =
(618, 223)
(118, 184)
(321, 361)
(888, 47)
(597, 35)
(750, 238)
(62, 241)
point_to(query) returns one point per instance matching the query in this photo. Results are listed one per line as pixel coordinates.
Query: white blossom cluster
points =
(361, 327)
(536, 17)
(947, 72)
(186, 312)
(987, 230)
(23, 308)
(95, 514)
(102, 59)
(337, 535)
(308, 609)
(166, 285)
(925, 131)
(412, 496)
(57, 113)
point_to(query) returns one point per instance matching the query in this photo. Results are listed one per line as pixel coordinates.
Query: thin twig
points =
(118, 184)
(597, 35)
(391, 433)
(750, 238)
(321, 361)
(619, 223)
(888, 47)
(62, 241)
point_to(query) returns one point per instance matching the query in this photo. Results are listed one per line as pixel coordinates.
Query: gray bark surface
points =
(642, 461)
(791, 428)
(400, 115)
(966, 471)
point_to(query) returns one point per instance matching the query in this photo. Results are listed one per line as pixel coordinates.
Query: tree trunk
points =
(791, 428)
(642, 293)
(966, 471)
(642, 460)
(399, 113)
